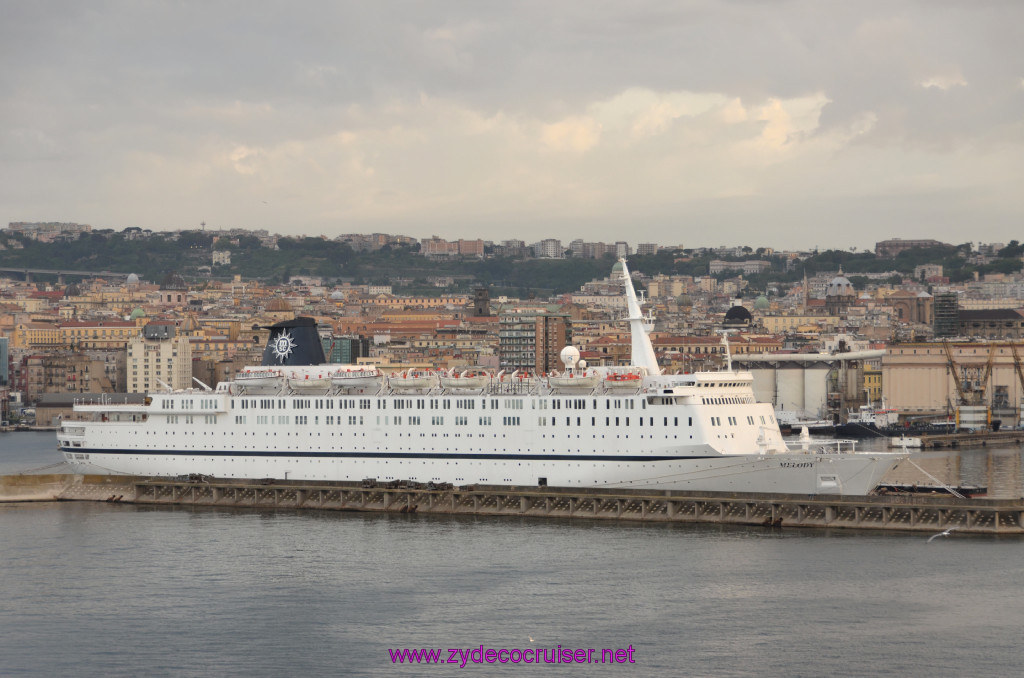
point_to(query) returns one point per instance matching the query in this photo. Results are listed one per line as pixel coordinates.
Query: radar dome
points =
(569, 356)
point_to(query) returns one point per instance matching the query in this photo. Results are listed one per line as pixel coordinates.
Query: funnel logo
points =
(283, 346)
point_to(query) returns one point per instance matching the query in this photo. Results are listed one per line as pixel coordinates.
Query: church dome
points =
(279, 305)
(173, 281)
(136, 314)
(840, 286)
(738, 315)
(132, 279)
(617, 269)
(762, 303)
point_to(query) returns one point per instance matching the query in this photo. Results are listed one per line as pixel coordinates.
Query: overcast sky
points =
(786, 124)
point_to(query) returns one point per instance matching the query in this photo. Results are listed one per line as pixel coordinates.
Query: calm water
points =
(98, 589)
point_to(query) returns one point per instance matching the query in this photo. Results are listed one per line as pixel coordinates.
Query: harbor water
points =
(120, 590)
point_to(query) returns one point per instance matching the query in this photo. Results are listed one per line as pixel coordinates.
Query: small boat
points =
(791, 422)
(412, 380)
(467, 380)
(905, 441)
(357, 378)
(870, 421)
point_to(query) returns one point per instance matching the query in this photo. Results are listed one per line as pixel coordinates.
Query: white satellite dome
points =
(569, 356)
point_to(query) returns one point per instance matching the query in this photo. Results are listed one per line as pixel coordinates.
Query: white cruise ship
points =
(615, 427)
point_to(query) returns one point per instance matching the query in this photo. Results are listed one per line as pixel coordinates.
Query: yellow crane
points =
(970, 392)
(953, 370)
(1017, 367)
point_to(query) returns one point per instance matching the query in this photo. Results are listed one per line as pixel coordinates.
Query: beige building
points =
(97, 333)
(159, 354)
(780, 324)
(916, 378)
(36, 336)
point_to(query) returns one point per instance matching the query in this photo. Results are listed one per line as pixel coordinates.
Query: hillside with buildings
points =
(919, 334)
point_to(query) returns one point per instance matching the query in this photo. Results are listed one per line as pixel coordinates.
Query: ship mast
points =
(640, 327)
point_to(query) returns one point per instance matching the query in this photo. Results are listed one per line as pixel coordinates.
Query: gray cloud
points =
(694, 122)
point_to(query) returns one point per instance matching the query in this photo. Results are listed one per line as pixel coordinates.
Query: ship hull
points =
(783, 473)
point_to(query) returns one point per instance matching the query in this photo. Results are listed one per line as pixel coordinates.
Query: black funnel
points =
(294, 342)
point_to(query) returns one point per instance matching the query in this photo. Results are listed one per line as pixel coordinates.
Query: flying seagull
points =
(945, 533)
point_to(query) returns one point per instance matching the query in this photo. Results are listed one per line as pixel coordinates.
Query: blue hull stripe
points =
(383, 455)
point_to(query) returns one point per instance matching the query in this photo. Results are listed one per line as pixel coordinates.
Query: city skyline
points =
(791, 125)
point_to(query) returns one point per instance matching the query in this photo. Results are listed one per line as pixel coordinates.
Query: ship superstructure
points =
(628, 426)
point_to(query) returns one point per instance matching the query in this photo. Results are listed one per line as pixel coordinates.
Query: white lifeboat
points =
(252, 378)
(576, 375)
(631, 379)
(306, 382)
(467, 380)
(356, 378)
(412, 380)
(574, 379)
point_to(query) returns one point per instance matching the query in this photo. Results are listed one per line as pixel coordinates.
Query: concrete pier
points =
(978, 439)
(930, 513)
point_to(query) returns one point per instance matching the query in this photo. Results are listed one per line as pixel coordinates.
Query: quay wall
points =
(904, 512)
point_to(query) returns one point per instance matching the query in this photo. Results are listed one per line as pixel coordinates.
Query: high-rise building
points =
(5, 372)
(345, 350)
(159, 356)
(552, 333)
(549, 248)
(946, 314)
(532, 341)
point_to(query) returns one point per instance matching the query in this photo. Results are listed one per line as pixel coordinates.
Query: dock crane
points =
(969, 392)
(1017, 367)
(953, 370)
